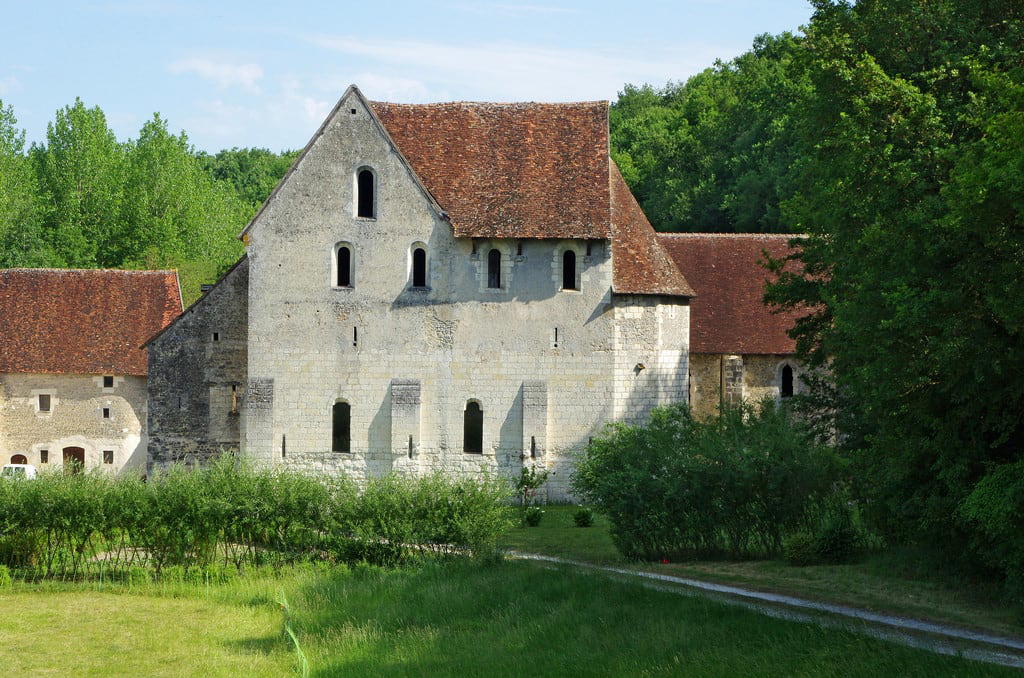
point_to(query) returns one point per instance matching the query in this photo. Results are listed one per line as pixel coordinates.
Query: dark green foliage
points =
(800, 548)
(201, 525)
(995, 511)
(583, 517)
(682, 488)
(532, 516)
(5, 577)
(251, 172)
(838, 539)
(713, 153)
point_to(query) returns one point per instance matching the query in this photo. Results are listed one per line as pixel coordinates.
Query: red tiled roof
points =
(523, 170)
(728, 314)
(641, 264)
(56, 321)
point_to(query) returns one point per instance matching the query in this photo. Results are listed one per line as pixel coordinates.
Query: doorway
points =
(74, 459)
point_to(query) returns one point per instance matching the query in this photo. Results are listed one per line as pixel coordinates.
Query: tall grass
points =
(230, 515)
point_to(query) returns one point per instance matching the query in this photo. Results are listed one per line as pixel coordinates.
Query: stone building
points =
(72, 373)
(739, 349)
(462, 287)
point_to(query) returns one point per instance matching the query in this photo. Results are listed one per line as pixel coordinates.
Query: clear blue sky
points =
(256, 73)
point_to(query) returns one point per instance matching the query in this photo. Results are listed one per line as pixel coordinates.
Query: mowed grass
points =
(141, 632)
(528, 619)
(897, 583)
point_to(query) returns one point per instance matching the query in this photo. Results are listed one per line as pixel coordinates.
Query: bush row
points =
(229, 514)
(733, 485)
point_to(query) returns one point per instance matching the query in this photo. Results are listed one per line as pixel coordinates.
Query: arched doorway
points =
(74, 459)
(19, 459)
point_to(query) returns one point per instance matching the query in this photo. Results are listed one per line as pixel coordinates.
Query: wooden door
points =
(74, 459)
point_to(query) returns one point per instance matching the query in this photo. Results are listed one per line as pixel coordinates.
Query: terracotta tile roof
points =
(641, 264)
(522, 170)
(56, 321)
(728, 314)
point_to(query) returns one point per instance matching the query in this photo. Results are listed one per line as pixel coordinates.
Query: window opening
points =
(410, 447)
(341, 436)
(787, 382)
(365, 200)
(569, 270)
(106, 413)
(533, 447)
(344, 267)
(216, 336)
(419, 267)
(108, 456)
(44, 402)
(284, 446)
(44, 456)
(108, 382)
(494, 269)
(473, 428)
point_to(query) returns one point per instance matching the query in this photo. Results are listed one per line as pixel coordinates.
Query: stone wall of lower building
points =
(716, 378)
(106, 425)
(197, 376)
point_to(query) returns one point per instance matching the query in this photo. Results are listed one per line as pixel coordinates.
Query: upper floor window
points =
(108, 381)
(786, 382)
(569, 270)
(344, 265)
(494, 269)
(44, 402)
(473, 428)
(366, 198)
(419, 267)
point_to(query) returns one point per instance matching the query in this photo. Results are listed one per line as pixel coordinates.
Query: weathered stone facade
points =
(75, 420)
(717, 379)
(197, 375)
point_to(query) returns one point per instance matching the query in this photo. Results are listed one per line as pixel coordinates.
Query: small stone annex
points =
(72, 372)
(462, 287)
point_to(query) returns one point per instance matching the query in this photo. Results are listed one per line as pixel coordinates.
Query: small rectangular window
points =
(44, 456)
(106, 413)
(108, 382)
(44, 402)
(216, 336)
(108, 456)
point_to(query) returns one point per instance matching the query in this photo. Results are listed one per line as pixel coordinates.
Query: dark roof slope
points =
(641, 264)
(55, 321)
(728, 314)
(521, 170)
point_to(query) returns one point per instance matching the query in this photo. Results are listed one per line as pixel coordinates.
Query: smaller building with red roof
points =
(72, 367)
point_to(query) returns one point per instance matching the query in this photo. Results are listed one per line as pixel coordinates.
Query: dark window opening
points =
(108, 382)
(786, 391)
(555, 342)
(44, 456)
(473, 429)
(284, 446)
(494, 269)
(352, 111)
(419, 267)
(108, 456)
(344, 267)
(234, 399)
(569, 270)
(106, 413)
(364, 189)
(355, 336)
(44, 402)
(341, 436)
(533, 447)
(410, 447)
(519, 248)
(216, 336)
(19, 459)
(590, 248)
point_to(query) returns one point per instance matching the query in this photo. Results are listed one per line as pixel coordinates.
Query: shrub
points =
(994, 511)
(583, 517)
(800, 548)
(681, 488)
(532, 515)
(5, 577)
(837, 540)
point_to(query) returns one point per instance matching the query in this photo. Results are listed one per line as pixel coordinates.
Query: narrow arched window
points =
(365, 199)
(419, 267)
(473, 428)
(341, 436)
(786, 387)
(344, 267)
(569, 270)
(494, 269)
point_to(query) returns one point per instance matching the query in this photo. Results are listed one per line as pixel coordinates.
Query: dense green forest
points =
(889, 131)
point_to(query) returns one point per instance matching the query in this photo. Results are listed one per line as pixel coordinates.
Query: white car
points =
(18, 471)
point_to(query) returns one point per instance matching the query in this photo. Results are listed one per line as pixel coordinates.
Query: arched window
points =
(494, 269)
(419, 267)
(19, 459)
(365, 200)
(473, 428)
(569, 270)
(344, 266)
(786, 385)
(341, 435)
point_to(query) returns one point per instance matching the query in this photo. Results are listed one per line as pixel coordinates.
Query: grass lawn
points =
(883, 583)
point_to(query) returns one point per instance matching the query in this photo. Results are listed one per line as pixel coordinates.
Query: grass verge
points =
(895, 583)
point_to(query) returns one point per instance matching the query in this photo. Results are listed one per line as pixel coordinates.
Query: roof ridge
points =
(53, 269)
(590, 102)
(710, 234)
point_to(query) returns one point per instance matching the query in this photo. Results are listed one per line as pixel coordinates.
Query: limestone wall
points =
(197, 376)
(715, 378)
(75, 419)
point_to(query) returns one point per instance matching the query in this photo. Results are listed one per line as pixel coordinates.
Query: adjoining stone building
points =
(739, 348)
(72, 373)
(462, 287)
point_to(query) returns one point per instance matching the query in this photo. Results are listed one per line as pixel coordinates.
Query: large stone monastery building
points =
(460, 287)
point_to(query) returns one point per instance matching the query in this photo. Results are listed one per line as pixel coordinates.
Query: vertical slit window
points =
(786, 388)
(341, 437)
(569, 270)
(419, 267)
(344, 267)
(365, 206)
(494, 269)
(473, 428)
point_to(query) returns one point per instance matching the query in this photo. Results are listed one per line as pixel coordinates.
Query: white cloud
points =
(223, 74)
(9, 84)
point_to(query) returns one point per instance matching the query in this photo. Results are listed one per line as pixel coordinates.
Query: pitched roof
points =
(55, 321)
(519, 170)
(728, 314)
